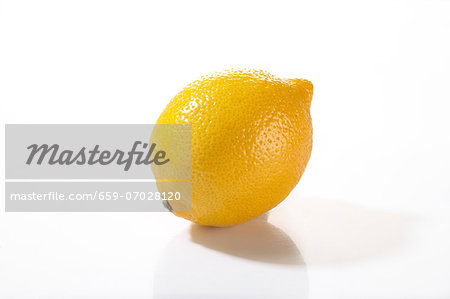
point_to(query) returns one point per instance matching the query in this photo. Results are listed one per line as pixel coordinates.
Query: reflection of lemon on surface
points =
(251, 141)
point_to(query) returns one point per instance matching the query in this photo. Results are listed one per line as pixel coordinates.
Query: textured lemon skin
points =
(251, 141)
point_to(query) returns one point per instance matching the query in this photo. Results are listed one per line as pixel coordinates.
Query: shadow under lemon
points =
(256, 240)
(259, 259)
(331, 232)
(252, 260)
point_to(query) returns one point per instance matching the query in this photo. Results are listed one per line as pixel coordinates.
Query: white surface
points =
(369, 218)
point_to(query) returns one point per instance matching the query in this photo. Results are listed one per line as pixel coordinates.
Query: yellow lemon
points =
(251, 141)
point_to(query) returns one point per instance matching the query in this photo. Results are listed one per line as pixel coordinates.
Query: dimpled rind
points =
(251, 141)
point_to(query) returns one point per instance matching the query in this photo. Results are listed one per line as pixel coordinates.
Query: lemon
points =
(251, 141)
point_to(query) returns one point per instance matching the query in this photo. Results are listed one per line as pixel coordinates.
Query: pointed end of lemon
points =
(306, 86)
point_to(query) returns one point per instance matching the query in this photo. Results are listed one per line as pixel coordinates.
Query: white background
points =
(370, 217)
